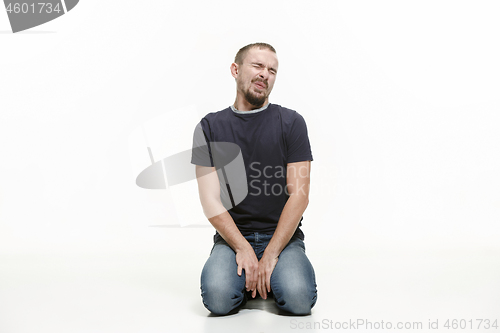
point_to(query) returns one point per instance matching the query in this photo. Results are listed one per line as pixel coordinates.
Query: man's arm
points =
(209, 190)
(298, 188)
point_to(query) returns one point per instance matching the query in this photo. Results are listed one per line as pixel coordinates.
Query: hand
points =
(247, 260)
(266, 268)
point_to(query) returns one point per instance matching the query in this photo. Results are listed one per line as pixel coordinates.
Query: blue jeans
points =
(293, 283)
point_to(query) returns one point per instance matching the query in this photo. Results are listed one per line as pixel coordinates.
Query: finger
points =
(254, 279)
(247, 278)
(262, 286)
(248, 281)
(253, 285)
(239, 269)
(259, 288)
(268, 283)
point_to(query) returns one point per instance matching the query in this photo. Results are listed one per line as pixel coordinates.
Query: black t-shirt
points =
(268, 139)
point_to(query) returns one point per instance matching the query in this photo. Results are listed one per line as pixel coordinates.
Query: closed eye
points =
(260, 65)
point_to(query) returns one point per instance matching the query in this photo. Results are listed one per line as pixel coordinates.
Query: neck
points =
(241, 104)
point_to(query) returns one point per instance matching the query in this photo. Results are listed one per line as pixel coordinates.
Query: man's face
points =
(256, 75)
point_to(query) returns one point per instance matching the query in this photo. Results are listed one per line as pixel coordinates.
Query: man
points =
(258, 245)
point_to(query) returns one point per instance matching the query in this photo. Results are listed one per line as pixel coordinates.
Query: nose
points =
(264, 73)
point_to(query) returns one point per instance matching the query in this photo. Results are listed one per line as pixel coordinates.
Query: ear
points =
(234, 70)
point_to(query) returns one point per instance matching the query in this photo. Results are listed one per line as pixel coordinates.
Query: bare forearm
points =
(209, 190)
(226, 227)
(287, 224)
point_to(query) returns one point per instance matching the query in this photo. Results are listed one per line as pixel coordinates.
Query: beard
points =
(254, 98)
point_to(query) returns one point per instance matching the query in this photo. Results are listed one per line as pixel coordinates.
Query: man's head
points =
(255, 67)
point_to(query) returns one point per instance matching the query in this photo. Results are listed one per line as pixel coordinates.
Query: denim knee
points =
(220, 300)
(297, 300)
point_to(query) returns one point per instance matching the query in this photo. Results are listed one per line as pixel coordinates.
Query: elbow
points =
(300, 199)
(212, 207)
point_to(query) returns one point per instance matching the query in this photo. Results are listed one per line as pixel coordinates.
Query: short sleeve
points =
(201, 152)
(298, 146)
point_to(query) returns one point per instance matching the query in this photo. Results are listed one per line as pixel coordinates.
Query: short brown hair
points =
(244, 50)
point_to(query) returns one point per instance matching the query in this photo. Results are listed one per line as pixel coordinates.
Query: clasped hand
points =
(257, 273)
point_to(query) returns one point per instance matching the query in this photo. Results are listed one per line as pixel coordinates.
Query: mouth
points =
(260, 85)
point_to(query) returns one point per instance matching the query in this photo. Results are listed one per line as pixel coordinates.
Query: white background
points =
(402, 106)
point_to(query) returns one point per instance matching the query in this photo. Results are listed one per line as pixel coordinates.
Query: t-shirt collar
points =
(248, 112)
